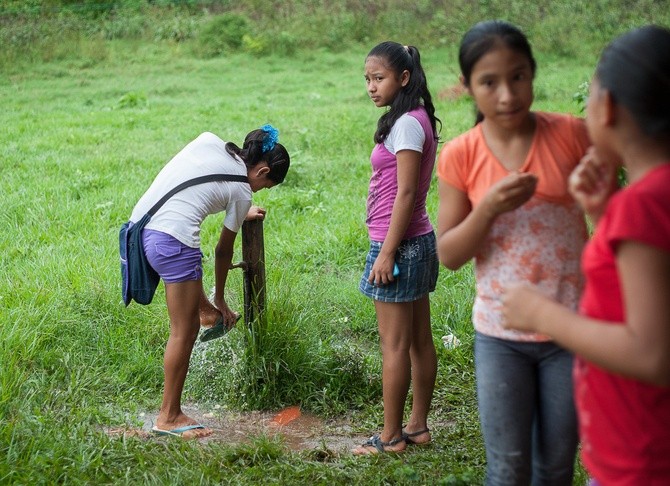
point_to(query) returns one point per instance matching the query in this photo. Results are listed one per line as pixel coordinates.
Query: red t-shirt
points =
(624, 423)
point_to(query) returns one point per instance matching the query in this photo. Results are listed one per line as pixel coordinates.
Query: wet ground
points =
(299, 431)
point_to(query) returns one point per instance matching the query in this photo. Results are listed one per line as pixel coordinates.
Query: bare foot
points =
(375, 445)
(209, 316)
(184, 426)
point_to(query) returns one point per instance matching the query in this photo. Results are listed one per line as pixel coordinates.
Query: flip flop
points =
(217, 330)
(379, 445)
(408, 436)
(178, 432)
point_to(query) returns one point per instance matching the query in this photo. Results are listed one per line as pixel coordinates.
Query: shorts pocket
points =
(167, 249)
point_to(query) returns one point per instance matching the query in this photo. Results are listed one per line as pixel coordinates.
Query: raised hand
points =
(592, 183)
(510, 192)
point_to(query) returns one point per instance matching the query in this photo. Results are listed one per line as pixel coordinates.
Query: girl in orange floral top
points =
(504, 202)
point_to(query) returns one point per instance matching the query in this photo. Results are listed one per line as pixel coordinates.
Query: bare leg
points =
(209, 314)
(424, 371)
(394, 323)
(183, 300)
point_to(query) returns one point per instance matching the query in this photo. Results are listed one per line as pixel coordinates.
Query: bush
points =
(223, 33)
(178, 29)
(294, 357)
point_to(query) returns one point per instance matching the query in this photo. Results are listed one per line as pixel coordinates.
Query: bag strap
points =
(193, 182)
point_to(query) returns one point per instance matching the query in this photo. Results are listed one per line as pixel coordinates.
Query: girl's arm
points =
(223, 258)
(638, 348)
(462, 229)
(409, 167)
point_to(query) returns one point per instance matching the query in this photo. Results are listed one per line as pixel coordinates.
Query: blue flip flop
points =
(217, 330)
(178, 432)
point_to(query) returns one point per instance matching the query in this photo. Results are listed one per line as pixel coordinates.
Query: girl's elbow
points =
(452, 265)
(662, 374)
(664, 381)
(406, 197)
(657, 371)
(661, 379)
(446, 259)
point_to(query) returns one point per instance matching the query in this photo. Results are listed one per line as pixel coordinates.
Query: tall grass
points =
(84, 129)
(54, 29)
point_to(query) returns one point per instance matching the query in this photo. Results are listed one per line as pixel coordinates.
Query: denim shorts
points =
(417, 260)
(174, 261)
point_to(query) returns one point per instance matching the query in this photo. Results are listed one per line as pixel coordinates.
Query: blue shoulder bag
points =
(138, 278)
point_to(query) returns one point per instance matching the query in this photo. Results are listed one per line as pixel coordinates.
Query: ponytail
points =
(261, 145)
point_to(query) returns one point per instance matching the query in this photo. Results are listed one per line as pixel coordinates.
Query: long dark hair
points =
(400, 58)
(483, 37)
(252, 153)
(635, 68)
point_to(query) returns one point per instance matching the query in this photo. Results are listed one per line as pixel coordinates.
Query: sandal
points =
(408, 436)
(217, 330)
(378, 444)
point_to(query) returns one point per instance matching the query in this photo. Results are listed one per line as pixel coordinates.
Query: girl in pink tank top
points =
(401, 266)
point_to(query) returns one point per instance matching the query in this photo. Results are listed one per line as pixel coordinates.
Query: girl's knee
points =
(185, 330)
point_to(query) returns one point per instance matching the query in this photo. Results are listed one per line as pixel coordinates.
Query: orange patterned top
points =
(539, 243)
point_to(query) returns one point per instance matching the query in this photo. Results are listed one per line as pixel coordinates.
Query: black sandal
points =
(408, 436)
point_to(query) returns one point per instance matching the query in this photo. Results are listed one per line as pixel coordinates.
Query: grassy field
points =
(80, 140)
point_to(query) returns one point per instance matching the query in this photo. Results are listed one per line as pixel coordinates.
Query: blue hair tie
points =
(271, 138)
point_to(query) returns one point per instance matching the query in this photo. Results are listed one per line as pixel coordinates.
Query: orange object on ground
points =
(286, 416)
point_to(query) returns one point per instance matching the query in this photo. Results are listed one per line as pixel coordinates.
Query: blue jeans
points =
(526, 411)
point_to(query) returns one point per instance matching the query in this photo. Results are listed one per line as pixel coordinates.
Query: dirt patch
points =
(452, 93)
(299, 431)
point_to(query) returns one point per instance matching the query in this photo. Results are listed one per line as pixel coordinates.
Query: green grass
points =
(81, 137)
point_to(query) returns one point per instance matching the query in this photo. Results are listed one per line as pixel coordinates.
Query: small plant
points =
(581, 96)
(254, 45)
(132, 99)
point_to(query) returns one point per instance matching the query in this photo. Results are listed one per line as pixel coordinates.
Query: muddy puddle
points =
(298, 431)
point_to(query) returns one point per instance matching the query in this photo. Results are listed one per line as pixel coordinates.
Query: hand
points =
(521, 306)
(255, 212)
(382, 271)
(229, 316)
(511, 192)
(592, 183)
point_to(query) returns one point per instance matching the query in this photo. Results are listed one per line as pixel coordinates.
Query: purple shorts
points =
(174, 261)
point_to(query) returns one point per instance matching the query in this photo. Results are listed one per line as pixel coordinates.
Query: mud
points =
(298, 431)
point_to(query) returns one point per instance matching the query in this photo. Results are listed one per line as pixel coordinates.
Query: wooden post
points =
(253, 255)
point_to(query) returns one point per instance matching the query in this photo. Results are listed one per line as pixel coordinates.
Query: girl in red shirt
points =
(622, 332)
